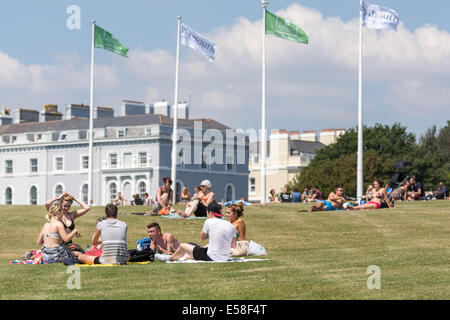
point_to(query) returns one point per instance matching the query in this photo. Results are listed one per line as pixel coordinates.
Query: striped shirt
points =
(114, 237)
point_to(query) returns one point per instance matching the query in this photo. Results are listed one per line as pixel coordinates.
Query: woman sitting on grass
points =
(52, 238)
(375, 203)
(68, 218)
(234, 215)
(191, 206)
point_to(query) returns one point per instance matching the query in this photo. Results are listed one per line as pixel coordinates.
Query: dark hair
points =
(111, 210)
(338, 187)
(165, 179)
(315, 187)
(154, 224)
(215, 209)
(145, 194)
(100, 219)
(380, 182)
(295, 189)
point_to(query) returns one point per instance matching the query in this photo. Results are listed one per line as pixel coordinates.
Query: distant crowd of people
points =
(378, 195)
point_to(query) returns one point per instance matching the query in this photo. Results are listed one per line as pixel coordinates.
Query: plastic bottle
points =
(87, 248)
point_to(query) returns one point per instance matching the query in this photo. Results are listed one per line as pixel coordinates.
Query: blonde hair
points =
(53, 212)
(238, 208)
(67, 197)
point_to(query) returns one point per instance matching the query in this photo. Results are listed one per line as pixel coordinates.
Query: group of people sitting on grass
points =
(110, 238)
(376, 198)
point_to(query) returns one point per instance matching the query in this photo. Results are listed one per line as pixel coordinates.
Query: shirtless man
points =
(335, 201)
(162, 242)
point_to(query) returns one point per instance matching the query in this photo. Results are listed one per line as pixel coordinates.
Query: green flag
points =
(284, 29)
(105, 40)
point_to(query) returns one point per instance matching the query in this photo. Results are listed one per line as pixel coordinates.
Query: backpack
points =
(143, 244)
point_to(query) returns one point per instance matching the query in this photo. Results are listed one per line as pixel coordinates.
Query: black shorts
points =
(201, 210)
(200, 254)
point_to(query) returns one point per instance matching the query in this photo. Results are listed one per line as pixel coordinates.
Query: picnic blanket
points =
(228, 261)
(175, 216)
(109, 265)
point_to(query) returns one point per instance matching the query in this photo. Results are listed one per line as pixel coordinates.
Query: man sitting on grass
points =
(335, 201)
(114, 238)
(162, 242)
(221, 234)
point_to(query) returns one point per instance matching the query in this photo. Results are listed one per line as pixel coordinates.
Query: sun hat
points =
(206, 183)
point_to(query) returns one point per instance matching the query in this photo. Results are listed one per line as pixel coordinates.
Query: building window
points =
(252, 185)
(33, 165)
(121, 133)
(85, 193)
(59, 163)
(9, 166)
(229, 193)
(112, 191)
(229, 163)
(113, 160)
(33, 195)
(59, 190)
(142, 187)
(148, 131)
(85, 162)
(142, 159)
(8, 195)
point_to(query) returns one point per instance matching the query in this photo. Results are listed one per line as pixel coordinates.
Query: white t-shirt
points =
(221, 233)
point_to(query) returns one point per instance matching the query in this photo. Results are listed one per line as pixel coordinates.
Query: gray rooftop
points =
(299, 145)
(124, 121)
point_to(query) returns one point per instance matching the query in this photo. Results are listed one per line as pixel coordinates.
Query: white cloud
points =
(308, 86)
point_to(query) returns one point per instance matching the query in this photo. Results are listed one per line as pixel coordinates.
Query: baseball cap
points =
(215, 209)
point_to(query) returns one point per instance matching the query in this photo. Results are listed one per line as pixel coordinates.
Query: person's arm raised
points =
(84, 208)
(49, 202)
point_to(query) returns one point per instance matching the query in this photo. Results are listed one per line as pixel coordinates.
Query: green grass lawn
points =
(312, 256)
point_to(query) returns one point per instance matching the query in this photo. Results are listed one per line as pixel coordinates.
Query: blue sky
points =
(311, 80)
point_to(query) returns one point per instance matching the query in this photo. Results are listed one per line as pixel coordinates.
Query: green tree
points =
(335, 165)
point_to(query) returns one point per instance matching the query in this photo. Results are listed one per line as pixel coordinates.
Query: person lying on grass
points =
(113, 233)
(52, 238)
(335, 201)
(161, 242)
(221, 234)
(375, 203)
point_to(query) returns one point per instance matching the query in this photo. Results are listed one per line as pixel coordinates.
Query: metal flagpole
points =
(263, 142)
(175, 115)
(91, 123)
(359, 175)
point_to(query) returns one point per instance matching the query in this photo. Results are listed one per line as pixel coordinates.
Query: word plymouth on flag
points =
(195, 41)
(284, 29)
(105, 40)
(377, 17)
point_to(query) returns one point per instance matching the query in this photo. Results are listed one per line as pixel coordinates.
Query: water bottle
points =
(87, 248)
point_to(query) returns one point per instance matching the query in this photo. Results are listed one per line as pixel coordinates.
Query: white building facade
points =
(131, 154)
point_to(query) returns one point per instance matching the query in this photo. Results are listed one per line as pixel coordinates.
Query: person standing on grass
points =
(222, 237)
(113, 233)
(165, 243)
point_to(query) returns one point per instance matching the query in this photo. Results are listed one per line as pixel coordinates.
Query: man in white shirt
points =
(221, 234)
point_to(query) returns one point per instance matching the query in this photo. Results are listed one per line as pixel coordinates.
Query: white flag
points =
(377, 17)
(197, 42)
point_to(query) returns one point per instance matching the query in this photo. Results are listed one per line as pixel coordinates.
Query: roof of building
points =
(299, 145)
(123, 121)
